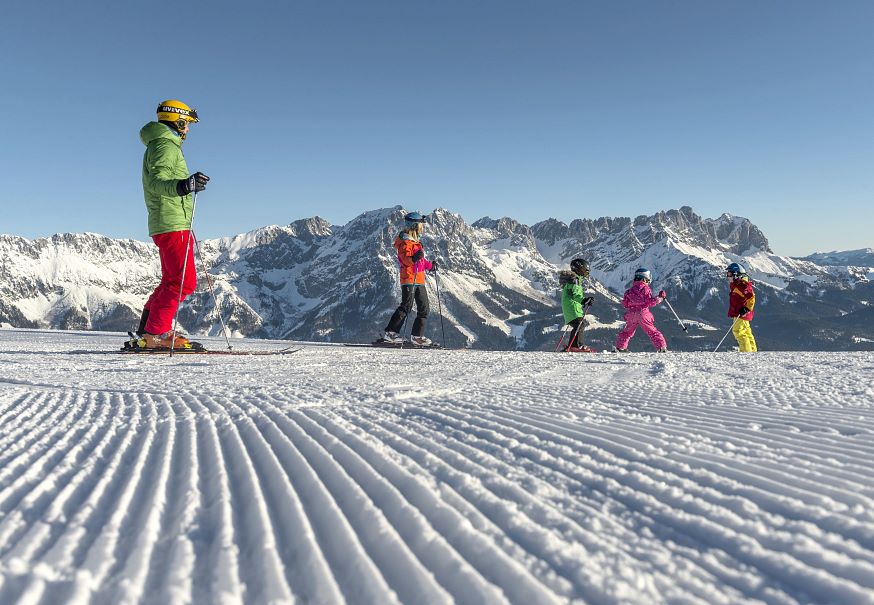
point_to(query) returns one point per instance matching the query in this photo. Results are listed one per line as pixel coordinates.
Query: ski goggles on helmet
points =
(189, 115)
(416, 217)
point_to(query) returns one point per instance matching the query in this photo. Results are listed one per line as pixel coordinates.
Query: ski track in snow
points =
(351, 475)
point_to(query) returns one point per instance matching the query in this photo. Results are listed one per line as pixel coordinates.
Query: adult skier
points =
(638, 299)
(167, 188)
(741, 300)
(574, 303)
(413, 264)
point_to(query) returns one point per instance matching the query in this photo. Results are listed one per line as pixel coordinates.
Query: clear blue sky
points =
(560, 109)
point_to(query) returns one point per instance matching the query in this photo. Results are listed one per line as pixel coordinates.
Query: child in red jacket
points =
(638, 299)
(741, 300)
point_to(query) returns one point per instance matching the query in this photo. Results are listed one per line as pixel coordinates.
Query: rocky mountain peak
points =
(503, 227)
(739, 234)
(309, 229)
(550, 231)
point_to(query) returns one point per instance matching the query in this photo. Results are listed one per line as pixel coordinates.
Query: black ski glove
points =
(196, 182)
(418, 255)
(587, 301)
(433, 266)
(743, 311)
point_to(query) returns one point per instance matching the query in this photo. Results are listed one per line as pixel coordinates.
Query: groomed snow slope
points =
(352, 475)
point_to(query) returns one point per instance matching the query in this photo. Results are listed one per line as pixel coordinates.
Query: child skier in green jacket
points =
(574, 302)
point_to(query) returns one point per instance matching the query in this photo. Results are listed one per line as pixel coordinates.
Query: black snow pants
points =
(576, 332)
(408, 294)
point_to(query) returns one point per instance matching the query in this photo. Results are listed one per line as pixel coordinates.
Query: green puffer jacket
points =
(163, 167)
(572, 294)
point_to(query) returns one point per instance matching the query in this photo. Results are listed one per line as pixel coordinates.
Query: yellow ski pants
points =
(743, 333)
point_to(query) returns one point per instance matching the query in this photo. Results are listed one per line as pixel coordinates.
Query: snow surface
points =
(357, 475)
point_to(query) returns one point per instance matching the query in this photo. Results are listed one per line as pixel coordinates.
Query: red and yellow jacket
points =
(741, 295)
(407, 248)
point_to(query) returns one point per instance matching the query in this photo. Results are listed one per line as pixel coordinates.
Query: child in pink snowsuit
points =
(638, 299)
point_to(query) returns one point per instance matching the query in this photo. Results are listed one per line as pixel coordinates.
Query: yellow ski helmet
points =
(176, 113)
(172, 110)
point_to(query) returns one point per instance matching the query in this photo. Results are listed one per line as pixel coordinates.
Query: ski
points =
(384, 344)
(144, 352)
(193, 348)
(286, 351)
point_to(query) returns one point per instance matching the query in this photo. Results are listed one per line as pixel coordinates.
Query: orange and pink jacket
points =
(411, 270)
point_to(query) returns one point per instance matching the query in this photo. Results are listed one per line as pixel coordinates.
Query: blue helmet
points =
(412, 219)
(642, 274)
(734, 269)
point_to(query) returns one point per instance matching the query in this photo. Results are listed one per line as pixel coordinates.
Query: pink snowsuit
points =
(638, 299)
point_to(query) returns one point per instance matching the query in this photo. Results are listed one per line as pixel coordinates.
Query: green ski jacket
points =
(572, 295)
(163, 167)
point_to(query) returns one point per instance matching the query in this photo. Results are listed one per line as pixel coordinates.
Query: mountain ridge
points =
(310, 280)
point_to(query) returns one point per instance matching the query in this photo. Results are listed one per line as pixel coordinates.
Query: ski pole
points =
(184, 266)
(583, 324)
(682, 325)
(579, 325)
(560, 340)
(440, 308)
(577, 329)
(212, 290)
(726, 334)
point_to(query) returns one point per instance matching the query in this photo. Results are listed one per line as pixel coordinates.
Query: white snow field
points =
(357, 475)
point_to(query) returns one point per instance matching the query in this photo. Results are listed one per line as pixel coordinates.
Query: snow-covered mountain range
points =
(311, 280)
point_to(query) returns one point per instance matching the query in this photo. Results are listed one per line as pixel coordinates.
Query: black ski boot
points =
(143, 319)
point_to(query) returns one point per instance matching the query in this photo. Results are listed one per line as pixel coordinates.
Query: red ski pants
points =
(164, 301)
